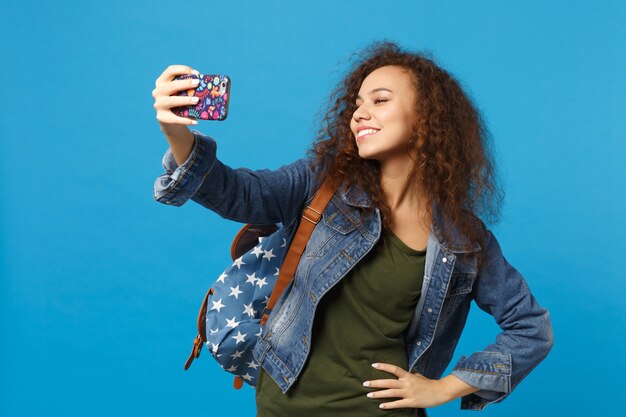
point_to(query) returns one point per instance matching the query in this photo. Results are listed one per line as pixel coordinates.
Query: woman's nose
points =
(361, 113)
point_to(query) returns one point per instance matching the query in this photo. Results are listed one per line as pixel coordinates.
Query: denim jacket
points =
(340, 240)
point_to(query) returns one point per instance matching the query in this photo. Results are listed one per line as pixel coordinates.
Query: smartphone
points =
(213, 93)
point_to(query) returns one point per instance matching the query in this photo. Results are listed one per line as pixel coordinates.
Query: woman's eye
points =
(378, 100)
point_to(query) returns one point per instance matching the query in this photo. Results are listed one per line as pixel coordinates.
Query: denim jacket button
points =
(430, 310)
(444, 260)
(419, 343)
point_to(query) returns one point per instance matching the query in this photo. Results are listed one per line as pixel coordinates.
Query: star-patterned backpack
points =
(240, 301)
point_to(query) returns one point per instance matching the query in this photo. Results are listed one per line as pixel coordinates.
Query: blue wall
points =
(100, 284)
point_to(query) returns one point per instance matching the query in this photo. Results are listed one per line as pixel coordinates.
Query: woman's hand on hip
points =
(413, 389)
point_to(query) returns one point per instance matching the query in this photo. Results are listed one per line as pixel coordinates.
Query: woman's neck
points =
(398, 192)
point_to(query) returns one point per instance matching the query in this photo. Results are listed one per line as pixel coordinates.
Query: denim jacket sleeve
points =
(243, 195)
(525, 339)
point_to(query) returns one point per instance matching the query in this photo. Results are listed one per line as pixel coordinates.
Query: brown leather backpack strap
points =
(311, 216)
(201, 336)
(238, 382)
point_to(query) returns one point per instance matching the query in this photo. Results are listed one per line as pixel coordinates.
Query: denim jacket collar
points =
(356, 197)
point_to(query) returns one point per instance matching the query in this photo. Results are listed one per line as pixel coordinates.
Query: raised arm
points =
(175, 127)
(243, 195)
(194, 172)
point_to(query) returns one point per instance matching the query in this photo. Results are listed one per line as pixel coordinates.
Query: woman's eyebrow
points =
(375, 90)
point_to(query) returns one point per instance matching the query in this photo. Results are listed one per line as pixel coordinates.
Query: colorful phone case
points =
(214, 94)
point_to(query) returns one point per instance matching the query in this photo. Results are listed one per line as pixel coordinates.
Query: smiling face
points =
(385, 103)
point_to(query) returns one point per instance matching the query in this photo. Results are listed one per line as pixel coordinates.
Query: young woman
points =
(382, 292)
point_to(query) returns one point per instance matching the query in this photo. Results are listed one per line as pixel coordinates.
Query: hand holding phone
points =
(213, 92)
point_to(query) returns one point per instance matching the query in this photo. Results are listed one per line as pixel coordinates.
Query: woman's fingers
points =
(173, 87)
(403, 403)
(163, 106)
(166, 97)
(392, 369)
(166, 86)
(167, 117)
(167, 102)
(171, 72)
(384, 383)
(388, 393)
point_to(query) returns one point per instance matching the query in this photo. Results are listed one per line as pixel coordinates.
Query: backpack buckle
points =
(315, 216)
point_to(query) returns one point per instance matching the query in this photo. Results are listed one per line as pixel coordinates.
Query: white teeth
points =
(367, 132)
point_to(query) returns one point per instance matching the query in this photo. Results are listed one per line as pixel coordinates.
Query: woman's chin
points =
(367, 155)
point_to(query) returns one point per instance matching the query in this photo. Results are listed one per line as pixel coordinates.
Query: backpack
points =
(239, 302)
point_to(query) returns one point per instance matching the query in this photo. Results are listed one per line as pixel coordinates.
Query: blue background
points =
(100, 284)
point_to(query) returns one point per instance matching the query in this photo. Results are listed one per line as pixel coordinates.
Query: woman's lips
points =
(366, 135)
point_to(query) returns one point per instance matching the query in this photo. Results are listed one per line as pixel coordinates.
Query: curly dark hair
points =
(454, 164)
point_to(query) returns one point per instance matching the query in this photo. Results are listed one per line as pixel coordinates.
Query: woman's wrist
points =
(181, 141)
(452, 387)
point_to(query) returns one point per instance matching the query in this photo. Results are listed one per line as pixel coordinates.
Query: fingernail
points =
(382, 406)
(375, 365)
(195, 82)
(194, 122)
(193, 71)
(369, 394)
(366, 384)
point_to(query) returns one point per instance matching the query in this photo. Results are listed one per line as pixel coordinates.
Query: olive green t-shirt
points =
(360, 321)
